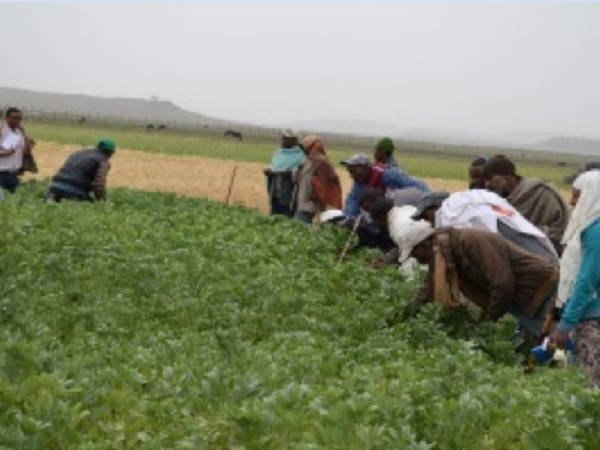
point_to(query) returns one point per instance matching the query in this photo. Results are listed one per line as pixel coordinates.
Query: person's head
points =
(423, 251)
(13, 117)
(312, 144)
(369, 197)
(587, 183)
(586, 208)
(476, 178)
(500, 176)
(379, 212)
(289, 138)
(428, 205)
(107, 146)
(384, 149)
(593, 165)
(408, 233)
(359, 168)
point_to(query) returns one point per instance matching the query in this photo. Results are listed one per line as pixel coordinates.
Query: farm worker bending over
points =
(579, 285)
(365, 175)
(485, 210)
(82, 173)
(318, 185)
(384, 153)
(280, 176)
(487, 269)
(15, 147)
(536, 200)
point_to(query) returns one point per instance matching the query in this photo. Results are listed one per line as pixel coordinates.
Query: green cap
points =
(108, 145)
(386, 145)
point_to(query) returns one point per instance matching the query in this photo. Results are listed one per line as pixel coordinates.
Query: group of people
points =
(508, 244)
(302, 181)
(82, 177)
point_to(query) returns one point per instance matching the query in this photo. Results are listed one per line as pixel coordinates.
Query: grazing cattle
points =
(233, 134)
(82, 120)
(562, 164)
(162, 127)
(150, 127)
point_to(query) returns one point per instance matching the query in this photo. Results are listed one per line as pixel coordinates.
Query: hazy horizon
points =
(482, 68)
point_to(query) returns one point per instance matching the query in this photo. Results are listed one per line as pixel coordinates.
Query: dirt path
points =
(188, 175)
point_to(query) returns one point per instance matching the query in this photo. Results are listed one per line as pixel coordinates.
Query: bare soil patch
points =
(189, 175)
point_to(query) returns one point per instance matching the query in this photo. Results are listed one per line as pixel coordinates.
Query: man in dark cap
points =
(83, 173)
(536, 200)
(366, 175)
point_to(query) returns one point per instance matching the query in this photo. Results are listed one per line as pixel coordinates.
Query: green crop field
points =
(159, 322)
(182, 142)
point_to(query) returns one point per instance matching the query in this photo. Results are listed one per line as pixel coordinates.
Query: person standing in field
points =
(579, 286)
(15, 146)
(536, 200)
(318, 186)
(383, 178)
(84, 173)
(280, 175)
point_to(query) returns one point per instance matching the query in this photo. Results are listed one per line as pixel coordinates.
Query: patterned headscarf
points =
(313, 145)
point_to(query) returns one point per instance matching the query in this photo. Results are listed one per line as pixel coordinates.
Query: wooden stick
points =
(231, 185)
(352, 233)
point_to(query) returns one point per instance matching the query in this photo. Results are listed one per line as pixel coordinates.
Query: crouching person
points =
(83, 173)
(485, 268)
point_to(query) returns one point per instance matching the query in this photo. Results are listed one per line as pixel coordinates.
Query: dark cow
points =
(233, 134)
(162, 127)
(150, 127)
(82, 120)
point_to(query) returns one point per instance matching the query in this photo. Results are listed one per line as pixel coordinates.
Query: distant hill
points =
(128, 108)
(570, 145)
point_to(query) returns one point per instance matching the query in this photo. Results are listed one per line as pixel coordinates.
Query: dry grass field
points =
(188, 175)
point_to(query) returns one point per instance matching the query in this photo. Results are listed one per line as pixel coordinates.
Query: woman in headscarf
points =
(318, 185)
(579, 285)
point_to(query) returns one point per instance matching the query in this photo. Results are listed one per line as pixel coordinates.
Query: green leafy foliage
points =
(157, 322)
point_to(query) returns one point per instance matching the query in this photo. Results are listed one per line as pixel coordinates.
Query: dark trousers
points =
(281, 209)
(9, 180)
(59, 195)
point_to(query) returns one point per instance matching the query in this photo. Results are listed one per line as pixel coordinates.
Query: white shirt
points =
(483, 209)
(12, 140)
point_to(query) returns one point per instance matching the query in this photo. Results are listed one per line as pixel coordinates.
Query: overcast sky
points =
(483, 68)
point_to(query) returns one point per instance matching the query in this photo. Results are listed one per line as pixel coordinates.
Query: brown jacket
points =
(543, 206)
(496, 274)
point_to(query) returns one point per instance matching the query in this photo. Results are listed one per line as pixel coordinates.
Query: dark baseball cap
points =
(359, 159)
(429, 200)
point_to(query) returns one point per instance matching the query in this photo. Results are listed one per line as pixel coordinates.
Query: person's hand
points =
(559, 338)
(378, 262)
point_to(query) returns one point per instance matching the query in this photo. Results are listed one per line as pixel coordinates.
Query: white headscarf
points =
(407, 232)
(584, 214)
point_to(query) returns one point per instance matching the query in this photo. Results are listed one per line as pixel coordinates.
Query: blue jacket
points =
(392, 179)
(585, 299)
